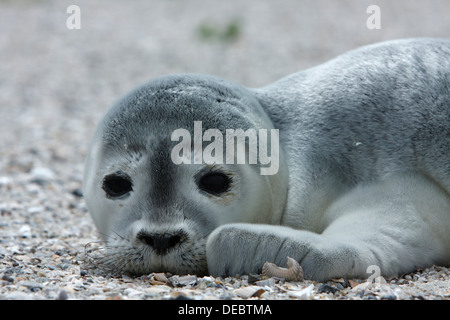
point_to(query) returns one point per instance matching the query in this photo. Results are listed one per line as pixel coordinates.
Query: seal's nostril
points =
(161, 242)
(174, 240)
(146, 239)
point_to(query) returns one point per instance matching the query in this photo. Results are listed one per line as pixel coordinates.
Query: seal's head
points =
(155, 211)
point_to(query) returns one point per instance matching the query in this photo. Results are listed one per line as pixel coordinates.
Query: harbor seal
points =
(362, 177)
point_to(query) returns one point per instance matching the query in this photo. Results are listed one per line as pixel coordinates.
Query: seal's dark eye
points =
(116, 185)
(214, 183)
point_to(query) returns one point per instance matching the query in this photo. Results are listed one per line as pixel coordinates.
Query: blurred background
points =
(56, 83)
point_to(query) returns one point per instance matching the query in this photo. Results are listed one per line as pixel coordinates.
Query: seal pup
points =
(156, 212)
(363, 179)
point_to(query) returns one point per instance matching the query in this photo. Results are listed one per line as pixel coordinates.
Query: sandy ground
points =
(56, 83)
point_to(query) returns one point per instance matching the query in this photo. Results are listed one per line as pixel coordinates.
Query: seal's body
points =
(363, 179)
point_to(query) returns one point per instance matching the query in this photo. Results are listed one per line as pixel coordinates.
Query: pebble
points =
(303, 294)
(160, 277)
(157, 290)
(177, 281)
(34, 210)
(63, 295)
(132, 293)
(5, 180)
(363, 286)
(31, 285)
(266, 283)
(7, 278)
(25, 231)
(326, 288)
(388, 297)
(41, 175)
(249, 291)
(77, 193)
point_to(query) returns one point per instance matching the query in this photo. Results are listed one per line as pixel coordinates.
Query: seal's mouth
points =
(119, 256)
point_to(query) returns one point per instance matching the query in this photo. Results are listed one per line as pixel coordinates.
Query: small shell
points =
(294, 272)
(160, 277)
(181, 281)
(304, 294)
(250, 291)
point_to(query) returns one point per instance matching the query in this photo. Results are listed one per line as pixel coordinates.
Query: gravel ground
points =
(56, 83)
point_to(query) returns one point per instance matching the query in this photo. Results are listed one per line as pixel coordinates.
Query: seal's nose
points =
(161, 242)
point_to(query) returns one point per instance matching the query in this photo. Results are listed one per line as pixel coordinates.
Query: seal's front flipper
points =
(395, 224)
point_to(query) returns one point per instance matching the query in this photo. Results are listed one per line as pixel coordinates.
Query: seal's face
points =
(155, 215)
